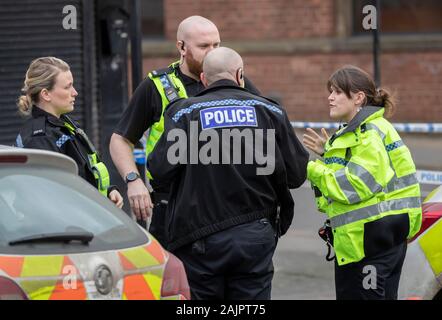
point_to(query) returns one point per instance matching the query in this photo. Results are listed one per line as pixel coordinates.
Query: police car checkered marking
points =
(226, 102)
(394, 145)
(336, 160)
(165, 82)
(62, 140)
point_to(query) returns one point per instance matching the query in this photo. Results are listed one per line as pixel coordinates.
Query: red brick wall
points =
(415, 78)
(256, 19)
(300, 81)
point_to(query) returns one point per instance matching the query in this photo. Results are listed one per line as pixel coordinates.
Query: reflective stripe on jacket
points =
(98, 168)
(367, 176)
(162, 81)
(48, 132)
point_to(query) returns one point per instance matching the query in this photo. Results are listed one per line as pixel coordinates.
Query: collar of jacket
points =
(184, 78)
(223, 83)
(39, 112)
(366, 114)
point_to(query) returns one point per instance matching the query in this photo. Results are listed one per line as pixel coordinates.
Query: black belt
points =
(159, 198)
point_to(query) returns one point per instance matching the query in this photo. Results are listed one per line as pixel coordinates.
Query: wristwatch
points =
(132, 176)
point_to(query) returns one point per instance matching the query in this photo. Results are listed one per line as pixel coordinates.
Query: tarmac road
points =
(301, 271)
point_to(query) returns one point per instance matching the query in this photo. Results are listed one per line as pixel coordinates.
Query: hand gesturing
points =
(314, 141)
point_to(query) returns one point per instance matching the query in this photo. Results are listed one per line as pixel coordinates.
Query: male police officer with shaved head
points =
(196, 36)
(231, 159)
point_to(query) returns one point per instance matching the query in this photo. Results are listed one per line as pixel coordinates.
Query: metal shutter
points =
(31, 29)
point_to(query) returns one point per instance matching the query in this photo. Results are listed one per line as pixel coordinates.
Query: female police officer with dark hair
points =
(366, 184)
(49, 95)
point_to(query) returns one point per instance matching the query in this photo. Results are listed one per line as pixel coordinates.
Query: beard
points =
(195, 67)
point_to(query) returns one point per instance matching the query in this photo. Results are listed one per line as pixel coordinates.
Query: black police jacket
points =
(45, 131)
(207, 197)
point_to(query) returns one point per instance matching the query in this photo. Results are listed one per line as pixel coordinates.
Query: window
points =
(28, 207)
(402, 16)
(152, 19)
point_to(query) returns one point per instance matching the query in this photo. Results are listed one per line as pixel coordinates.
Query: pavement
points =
(301, 271)
(426, 150)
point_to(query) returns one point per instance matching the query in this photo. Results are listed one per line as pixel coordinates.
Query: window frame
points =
(350, 20)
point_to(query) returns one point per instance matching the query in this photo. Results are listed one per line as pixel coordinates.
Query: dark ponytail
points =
(383, 98)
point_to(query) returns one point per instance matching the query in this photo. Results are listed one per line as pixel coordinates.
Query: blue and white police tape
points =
(429, 177)
(139, 156)
(400, 127)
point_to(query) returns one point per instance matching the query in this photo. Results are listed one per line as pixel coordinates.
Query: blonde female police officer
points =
(49, 94)
(365, 182)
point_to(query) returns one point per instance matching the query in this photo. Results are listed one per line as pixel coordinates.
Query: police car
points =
(421, 277)
(61, 239)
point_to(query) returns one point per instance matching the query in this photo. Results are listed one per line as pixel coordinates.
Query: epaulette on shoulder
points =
(160, 72)
(70, 120)
(271, 100)
(173, 103)
(39, 127)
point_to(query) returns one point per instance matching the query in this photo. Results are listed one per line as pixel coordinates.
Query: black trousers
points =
(234, 264)
(372, 278)
(158, 223)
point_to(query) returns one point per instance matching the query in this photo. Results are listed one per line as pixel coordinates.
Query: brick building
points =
(291, 47)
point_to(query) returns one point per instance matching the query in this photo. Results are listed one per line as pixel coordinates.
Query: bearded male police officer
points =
(196, 36)
(223, 205)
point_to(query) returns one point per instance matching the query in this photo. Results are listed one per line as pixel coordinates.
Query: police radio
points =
(81, 134)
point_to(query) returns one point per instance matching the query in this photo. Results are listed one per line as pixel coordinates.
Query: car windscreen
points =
(43, 201)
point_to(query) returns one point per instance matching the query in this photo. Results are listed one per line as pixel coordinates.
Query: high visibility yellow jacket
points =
(63, 135)
(170, 87)
(369, 187)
